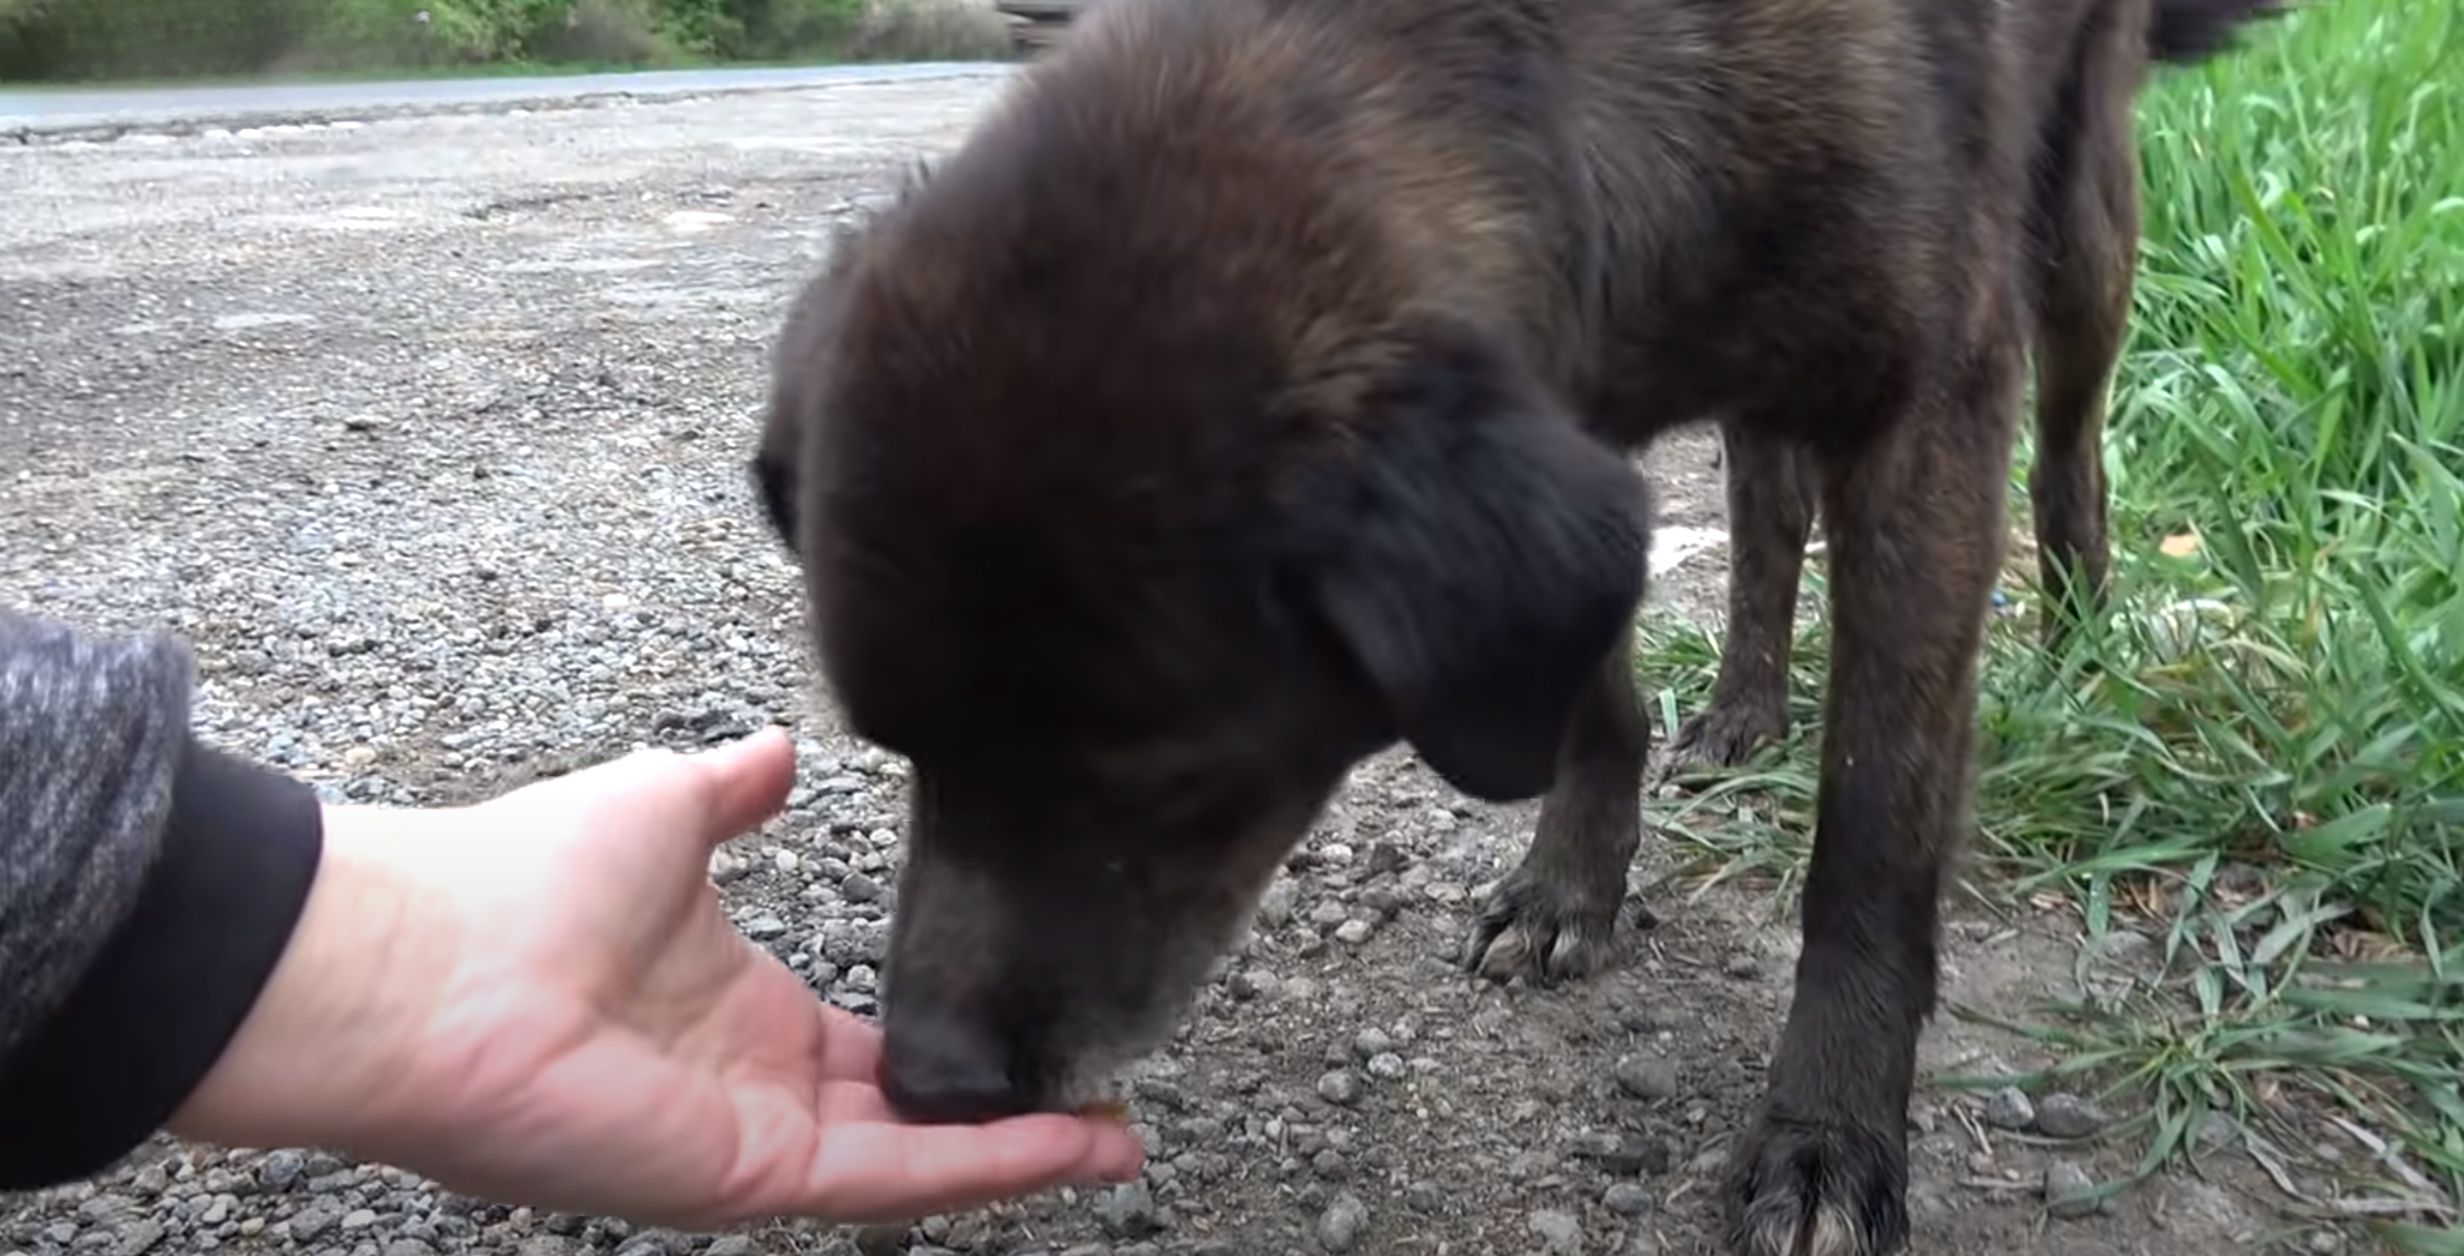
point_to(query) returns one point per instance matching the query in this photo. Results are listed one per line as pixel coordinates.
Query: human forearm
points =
(147, 885)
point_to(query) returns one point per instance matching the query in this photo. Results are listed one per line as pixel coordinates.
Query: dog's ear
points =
(800, 364)
(774, 474)
(1477, 554)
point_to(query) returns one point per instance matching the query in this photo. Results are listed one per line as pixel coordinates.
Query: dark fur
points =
(1249, 394)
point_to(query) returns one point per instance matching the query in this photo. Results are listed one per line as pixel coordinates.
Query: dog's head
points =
(1141, 490)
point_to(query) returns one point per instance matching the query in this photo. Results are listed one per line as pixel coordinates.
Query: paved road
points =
(72, 110)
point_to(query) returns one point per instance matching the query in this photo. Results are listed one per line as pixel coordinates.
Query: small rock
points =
(1425, 1196)
(1129, 1212)
(1255, 983)
(2215, 1131)
(1559, 1232)
(138, 1238)
(1276, 905)
(357, 1219)
(1742, 966)
(1388, 1067)
(1626, 1199)
(2010, 1109)
(314, 1220)
(859, 888)
(1353, 932)
(1650, 1077)
(280, 1170)
(408, 1247)
(1343, 1222)
(1340, 1088)
(2069, 1192)
(728, 867)
(881, 1240)
(2068, 1116)
(764, 927)
(1371, 1043)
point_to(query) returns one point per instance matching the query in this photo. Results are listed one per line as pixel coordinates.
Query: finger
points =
(850, 1047)
(741, 784)
(899, 1172)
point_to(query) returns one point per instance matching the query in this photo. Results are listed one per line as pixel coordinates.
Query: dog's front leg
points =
(1555, 916)
(1915, 523)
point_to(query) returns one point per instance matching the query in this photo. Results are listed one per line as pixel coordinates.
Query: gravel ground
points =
(427, 431)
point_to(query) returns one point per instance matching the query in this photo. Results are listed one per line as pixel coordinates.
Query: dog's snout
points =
(941, 1068)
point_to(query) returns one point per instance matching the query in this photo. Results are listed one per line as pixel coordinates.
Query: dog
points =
(1258, 387)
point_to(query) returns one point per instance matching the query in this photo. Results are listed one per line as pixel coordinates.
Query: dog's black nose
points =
(944, 1069)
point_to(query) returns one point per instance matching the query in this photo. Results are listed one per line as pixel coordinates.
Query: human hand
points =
(538, 1000)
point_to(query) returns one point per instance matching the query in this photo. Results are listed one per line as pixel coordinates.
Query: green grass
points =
(2258, 756)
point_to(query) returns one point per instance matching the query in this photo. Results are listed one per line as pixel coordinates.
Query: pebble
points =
(1353, 932)
(1255, 983)
(1651, 1077)
(859, 888)
(2068, 1116)
(280, 1170)
(1340, 1227)
(1742, 966)
(2010, 1109)
(138, 1239)
(313, 1220)
(1388, 1067)
(1275, 907)
(1626, 1199)
(1372, 1043)
(1425, 1196)
(2069, 1192)
(1560, 1232)
(1129, 1212)
(764, 927)
(1340, 1088)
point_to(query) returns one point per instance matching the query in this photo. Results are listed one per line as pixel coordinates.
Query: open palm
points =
(570, 1021)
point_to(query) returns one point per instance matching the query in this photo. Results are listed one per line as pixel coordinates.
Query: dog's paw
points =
(1808, 1188)
(1537, 928)
(1723, 735)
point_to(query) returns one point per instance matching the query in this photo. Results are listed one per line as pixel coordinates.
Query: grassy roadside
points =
(2257, 762)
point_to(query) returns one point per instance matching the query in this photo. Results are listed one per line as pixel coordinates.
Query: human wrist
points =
(323, 1058)
(234, 855)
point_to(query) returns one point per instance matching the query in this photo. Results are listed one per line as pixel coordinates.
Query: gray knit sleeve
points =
(91, 734)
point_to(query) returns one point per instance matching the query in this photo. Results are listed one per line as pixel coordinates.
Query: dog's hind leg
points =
(2087, 211)
(1555, 916)
(1771, 495)
(1915, 523)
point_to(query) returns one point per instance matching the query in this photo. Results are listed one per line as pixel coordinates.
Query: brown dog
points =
(1253, 390)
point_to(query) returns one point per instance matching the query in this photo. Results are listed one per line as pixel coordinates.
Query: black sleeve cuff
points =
(168, 992)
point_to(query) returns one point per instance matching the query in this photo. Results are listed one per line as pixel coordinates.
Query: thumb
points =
(739, 785)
